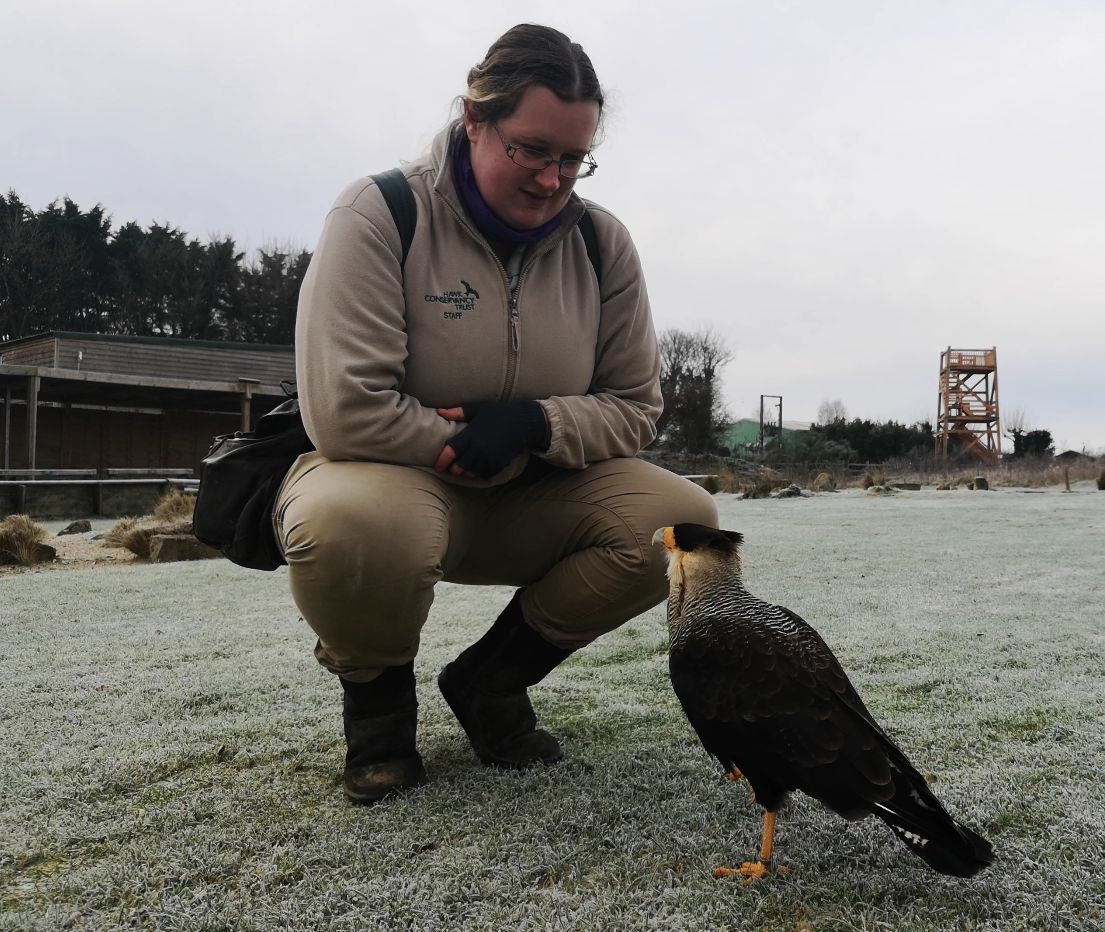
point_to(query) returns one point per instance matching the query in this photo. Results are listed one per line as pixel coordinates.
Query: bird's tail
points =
(926, 828)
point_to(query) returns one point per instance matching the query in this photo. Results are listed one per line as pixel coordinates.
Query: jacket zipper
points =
(515, 339)
(512, 303)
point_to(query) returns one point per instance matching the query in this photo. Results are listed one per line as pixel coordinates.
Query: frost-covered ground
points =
(170, 752)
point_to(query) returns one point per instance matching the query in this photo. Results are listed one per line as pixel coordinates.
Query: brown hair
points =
(522, 57)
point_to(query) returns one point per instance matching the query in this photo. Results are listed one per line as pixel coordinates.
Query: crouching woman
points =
(477, 410)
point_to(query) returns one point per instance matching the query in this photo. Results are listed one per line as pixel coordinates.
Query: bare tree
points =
(690, 381)
(1016, 426)
(830, 411)
(1015, 420)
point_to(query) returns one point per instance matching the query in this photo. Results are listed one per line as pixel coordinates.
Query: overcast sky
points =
(840, 189)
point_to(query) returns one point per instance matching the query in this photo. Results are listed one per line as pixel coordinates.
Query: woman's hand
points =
(497, 432)
(446, 459)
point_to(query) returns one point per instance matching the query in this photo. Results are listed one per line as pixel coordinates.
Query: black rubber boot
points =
(380, 721)
(486, 689)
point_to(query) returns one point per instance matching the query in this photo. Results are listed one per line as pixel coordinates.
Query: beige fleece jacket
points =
(379, 347)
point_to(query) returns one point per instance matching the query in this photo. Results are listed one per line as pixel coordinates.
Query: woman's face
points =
(522, 198)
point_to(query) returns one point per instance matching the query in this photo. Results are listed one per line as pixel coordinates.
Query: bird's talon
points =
(753, 870)
(722, 872)
(734, 775)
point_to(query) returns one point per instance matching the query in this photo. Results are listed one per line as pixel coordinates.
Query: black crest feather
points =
(691, 537)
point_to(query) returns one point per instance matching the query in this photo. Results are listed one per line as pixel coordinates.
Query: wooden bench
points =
(30, 475)
(82, 496)
(154, 473)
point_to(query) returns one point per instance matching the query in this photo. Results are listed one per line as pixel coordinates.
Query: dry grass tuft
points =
(136, 534)
(735, 473)
(131, 534)
(823, 482)
(760, 486)
(20, 537)
(137, 541)
(116, 536)
(174, 506)
(872, 479)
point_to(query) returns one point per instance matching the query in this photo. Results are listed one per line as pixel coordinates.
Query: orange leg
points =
(751, 870)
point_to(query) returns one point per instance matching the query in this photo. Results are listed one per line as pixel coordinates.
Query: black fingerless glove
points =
(498, 431)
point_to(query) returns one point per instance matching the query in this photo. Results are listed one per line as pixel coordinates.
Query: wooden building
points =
(106, 405)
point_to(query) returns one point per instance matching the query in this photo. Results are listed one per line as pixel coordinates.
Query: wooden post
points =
(247, 395)
(761, 425)
(7, 427)
(779, 432)
(32, 419)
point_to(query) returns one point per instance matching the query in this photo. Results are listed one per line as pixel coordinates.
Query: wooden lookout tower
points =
(967, 422)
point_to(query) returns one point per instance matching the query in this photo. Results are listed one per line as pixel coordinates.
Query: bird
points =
(767, 698)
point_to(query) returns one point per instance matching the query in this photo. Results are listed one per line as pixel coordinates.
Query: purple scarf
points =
(482, 215)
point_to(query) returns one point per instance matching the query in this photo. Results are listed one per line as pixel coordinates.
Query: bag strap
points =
(397, 193)
(399, 197)
(591, 241)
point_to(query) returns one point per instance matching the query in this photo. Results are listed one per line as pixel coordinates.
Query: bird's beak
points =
(666, 537)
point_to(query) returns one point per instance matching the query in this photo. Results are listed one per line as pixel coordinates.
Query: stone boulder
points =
(44, 553)
(791, 491)
(83, 526)
(175, 527)
(139, 539)
(171, 548)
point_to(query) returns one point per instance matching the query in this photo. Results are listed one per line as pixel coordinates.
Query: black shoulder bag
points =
(242, 472)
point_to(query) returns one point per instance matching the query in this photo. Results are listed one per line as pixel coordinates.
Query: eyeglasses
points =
(535, 160)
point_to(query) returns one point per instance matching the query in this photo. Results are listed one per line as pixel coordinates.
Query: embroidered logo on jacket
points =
(458, 301)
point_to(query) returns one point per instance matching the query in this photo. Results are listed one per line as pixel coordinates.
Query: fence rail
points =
(32, 474)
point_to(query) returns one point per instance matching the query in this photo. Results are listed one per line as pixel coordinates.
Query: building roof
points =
(144, 372)
(746, 431)
(1070, 456)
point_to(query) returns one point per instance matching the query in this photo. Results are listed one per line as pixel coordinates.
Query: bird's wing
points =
(764, 692)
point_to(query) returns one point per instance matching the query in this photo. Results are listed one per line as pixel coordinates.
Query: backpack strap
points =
(397, 193)
(591, 241)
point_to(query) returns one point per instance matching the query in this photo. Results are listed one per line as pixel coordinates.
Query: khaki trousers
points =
(367, 542)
